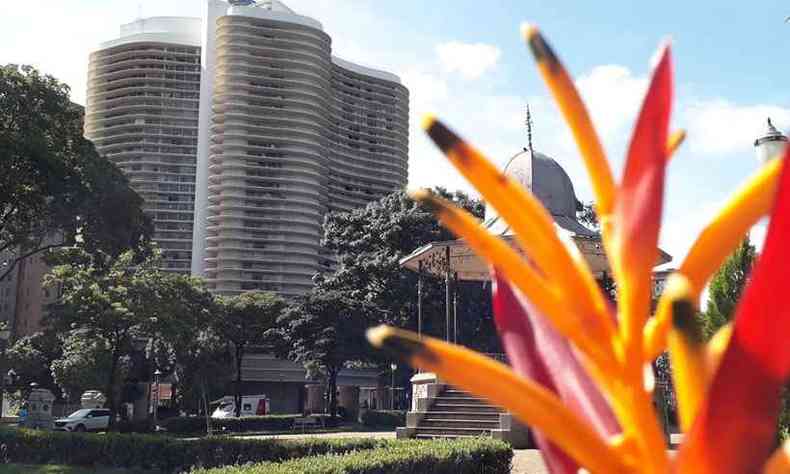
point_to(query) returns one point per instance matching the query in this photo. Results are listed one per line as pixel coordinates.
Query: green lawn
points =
(61, 469)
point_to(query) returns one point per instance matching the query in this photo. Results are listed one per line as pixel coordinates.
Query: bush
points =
(465, 456)
(197, 424)
(384, 418)
(160, 452)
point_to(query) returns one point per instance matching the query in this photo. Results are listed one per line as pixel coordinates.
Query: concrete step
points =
(452, 431)
(442, 436)
(467, 415)
(452, 393)
(458, 423)
(465, 407)
(467, 400)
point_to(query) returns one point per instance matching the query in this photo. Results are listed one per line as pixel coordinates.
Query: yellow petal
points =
(575, 113)
(588, 333)
(752, 201)
(714, 349)
(687, 349)
(529, 402)
(675, 140)
(532, 225)
(779, 462)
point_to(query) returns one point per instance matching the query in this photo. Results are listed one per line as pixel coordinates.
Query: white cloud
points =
(718, 126)
(470, 60)
(613, 95)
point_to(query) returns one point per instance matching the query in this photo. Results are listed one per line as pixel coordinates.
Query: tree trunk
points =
(111, 388)
(237, 394)
(332, 392)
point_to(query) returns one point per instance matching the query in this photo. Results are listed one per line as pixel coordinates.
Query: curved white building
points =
(245, 124)
(291, 134)
(142, 113)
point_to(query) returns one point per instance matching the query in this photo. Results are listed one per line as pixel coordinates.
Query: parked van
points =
(251, 405)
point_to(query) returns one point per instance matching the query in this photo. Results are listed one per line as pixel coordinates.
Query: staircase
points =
(453, 413)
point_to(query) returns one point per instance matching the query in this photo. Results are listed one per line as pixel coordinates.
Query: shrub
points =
(466, 456)
(384, 418)
(159, 452)
(197, 424)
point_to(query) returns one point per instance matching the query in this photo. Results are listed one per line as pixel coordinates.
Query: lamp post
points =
(770, 144)
(5, 335)
(394, 367)
(157, 373)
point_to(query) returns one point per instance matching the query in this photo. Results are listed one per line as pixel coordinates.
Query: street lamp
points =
(771, 144)
(5, 335)
(157, 374)
(393, 367)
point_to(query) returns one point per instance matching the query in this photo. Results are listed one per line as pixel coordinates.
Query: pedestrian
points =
(22, 415)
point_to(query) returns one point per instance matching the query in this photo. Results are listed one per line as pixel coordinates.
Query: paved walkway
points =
(342, 434)
(528, 461)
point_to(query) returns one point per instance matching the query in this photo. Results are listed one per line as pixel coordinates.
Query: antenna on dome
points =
(528, 123)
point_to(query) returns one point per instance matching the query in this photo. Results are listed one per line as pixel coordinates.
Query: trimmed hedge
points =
(197, 424)
(465, 456)
(161, 452)
(383, 418)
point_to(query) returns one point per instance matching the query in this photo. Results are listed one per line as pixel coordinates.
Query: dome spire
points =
(528, 123)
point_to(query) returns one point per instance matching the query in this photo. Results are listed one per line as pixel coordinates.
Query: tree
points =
(185, 333)
(83, 365)
(726, 287)
(54, 186)
(370, 242)
(30, 357)
(247, 320)
(324, 331)
(585, 213)
(113, 300)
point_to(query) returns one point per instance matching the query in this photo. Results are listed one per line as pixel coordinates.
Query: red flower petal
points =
(639, 203)
(536, 351)
(735, 429)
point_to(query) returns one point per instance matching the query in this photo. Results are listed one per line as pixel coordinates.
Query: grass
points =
(61, 469)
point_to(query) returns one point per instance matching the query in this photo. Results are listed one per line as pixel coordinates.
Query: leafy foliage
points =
(30, 357)
(166, 454)
(369, 244)
(249, 319)
(324, 331)
(726, 287)
(54, 186)
(462, 456)
(112, 300)
(194, 425)
(83, 365)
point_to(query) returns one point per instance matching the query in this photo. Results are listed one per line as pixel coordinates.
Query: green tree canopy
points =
(249, 320)
(726, 287)
(325, 330)
(370, 242)
(113, 300)
(54, 186)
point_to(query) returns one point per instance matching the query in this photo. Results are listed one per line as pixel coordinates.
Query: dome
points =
(549, 182)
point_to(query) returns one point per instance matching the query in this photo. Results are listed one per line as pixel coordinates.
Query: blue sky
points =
(465, 61)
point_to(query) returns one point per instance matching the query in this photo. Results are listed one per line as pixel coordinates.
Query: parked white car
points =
(251, 405)
(87, 419)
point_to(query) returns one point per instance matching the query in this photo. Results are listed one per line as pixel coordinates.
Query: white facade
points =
(285, 133)
(142, 113)
(287, 140)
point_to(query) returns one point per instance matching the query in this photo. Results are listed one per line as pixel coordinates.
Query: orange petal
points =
(575, 113)
(744, 396)
(638, 209)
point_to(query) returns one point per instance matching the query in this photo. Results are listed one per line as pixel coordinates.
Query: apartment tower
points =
(142, 114)
(283, 132)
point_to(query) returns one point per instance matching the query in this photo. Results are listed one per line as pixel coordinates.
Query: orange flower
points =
(597, 412)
